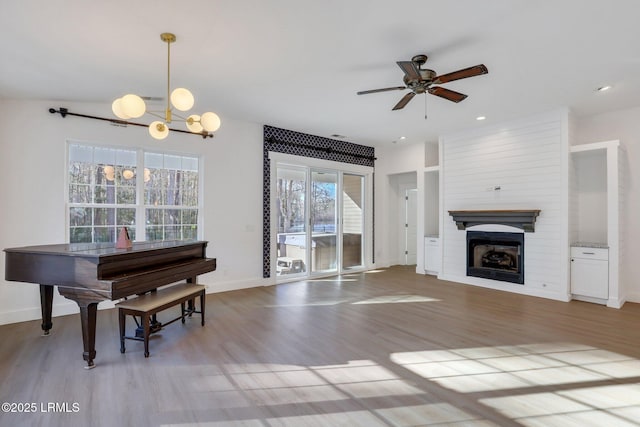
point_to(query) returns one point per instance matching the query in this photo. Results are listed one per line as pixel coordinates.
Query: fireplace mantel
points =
(523, 219)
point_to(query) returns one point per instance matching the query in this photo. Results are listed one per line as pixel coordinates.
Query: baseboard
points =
(33, 313)
(591, 300)
(633, 297)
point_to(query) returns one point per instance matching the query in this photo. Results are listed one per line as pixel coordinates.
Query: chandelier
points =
(133, 106)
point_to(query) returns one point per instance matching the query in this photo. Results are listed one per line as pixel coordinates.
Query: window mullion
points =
(141, 229)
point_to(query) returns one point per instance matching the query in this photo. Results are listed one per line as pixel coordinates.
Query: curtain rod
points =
(65, 112)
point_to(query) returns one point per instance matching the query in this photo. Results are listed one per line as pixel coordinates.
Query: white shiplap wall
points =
(528, 160)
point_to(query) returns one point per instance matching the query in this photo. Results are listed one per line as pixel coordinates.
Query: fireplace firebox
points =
(497, 256)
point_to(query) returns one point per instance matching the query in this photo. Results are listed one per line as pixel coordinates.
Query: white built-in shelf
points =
(612, 230)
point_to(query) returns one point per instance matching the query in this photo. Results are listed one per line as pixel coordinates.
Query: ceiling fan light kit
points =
(132, 106)
(420, 80)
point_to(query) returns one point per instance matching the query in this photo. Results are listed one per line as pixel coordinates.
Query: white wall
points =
(528, 160)
(622, 125)
(32, 170)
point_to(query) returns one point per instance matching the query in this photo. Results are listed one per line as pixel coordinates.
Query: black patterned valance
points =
(302, 144)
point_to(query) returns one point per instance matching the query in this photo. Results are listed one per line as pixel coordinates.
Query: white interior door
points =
(411, 227)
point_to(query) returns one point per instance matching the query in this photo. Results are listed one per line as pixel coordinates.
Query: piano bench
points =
(149, 304)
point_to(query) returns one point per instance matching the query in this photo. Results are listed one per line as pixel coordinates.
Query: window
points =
(106, 193)
(170, 197)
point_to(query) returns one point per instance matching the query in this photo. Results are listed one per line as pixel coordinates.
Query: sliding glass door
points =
(291, 196)
(352, 221)
(324, 255)
(320, 221)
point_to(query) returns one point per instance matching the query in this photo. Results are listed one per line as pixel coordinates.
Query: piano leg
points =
(46, 304)
(88, 312)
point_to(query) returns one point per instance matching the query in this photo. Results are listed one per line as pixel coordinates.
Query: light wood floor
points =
(387, 348)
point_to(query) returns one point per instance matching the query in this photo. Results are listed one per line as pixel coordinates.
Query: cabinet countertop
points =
(590, 245)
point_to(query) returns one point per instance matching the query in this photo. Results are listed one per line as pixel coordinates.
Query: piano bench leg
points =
(121, 320)
(146, 324)
(202, 298)
(182, 311)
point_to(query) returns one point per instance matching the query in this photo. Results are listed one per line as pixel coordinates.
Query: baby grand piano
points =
(88, 273)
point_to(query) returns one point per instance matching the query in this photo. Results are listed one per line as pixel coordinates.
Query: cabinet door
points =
(432, 255)
(590, 277)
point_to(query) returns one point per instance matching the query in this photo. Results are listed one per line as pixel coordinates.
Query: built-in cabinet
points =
(595, 227)
(590, 273)
(432, 255)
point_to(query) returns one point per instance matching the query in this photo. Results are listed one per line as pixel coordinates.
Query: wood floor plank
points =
(387, 348)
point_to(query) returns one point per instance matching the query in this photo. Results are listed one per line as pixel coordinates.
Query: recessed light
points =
(400, 138)
(603, 88)
(480, 118)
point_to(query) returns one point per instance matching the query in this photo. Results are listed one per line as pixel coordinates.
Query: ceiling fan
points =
(420, 80)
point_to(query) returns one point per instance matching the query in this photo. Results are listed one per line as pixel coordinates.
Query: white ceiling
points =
(298, 64)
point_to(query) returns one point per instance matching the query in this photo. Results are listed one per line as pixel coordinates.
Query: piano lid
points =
(100, 250)
(103, 268)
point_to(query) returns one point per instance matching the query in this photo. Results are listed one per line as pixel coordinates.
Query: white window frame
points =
(139, 206)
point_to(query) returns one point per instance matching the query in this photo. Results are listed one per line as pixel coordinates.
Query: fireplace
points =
(497, 256)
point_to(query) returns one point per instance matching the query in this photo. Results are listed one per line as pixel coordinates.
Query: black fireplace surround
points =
(497, 256)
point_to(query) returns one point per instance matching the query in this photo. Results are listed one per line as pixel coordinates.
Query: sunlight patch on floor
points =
(440, 414)
(340, 419)
(498, 368)
(614, 405)
(572, 366)
(310, 304)
(293, 391)
(384, 299)
(431, 414)
(240, 423)
(394, 299)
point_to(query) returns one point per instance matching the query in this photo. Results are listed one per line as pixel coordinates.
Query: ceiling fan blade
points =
(448, 94)
(410, 69)
(364, 92)
(404, 101)
(461, 74)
